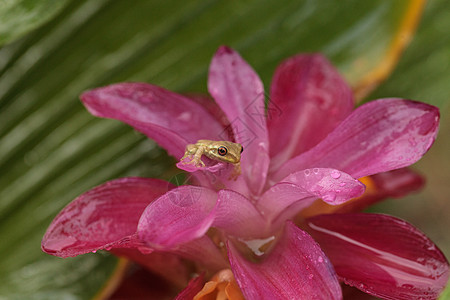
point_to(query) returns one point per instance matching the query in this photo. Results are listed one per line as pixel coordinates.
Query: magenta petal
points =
(381, 255)
(299, 189)
(193, 288)
(102, 218)
(170, 119)
(167, 265)
(295, 269)
(211, 106)
(181, 215)
(204, 252)
(309, 98)
(395, 183)
(379, 136)
(235, 212)
(238, 90)
(186, 166)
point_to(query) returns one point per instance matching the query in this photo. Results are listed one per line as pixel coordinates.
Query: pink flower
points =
(308, 144)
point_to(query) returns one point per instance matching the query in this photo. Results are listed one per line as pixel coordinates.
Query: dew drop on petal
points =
(335, 174)
(145, 250)
(316, 171)
(342, 184)
(58, 244)
(307, 172)
(329, 197)
(407, 286)
(320, 259)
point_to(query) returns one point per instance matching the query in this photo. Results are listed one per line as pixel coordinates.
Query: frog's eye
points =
(222, 151)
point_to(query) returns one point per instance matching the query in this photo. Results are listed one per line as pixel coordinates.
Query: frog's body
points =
(223, 151)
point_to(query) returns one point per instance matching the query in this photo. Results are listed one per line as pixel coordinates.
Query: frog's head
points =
(225, 151)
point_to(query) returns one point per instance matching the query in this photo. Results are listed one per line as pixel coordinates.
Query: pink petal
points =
(216, 170)
(238, 90)
(211, 106)
(188, 167)
(381, 255)
(295, 269)
(379, 136)
(170, 119)
(237, 216)
(169, 266)
(181, 215)
(286, 198)
(138, 283)
(103, 218)
(351, 293)
(395, 183)
(203, 251)
(308, 99)
(193, 288)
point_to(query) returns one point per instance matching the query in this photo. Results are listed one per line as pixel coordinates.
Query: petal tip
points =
(223, 50)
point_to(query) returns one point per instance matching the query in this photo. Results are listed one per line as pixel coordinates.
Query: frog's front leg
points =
(190, 150)
(197, 159)
(194, 152)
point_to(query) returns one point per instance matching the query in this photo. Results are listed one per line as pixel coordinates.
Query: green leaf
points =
(18, 17)
(55, 279)
(51, 149)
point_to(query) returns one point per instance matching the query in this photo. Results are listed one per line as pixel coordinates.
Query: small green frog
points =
(223, 151)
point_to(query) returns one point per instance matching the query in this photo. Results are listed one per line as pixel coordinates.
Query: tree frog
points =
(223, 151)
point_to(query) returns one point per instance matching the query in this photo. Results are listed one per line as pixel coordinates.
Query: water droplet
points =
(320, 259)
(407, 286)
(338, 191)
(310, 276)
(335, 174)
(145, 250)
(342, 184)
(307, 172)
(94, 251)
(329, 197)
(55, 245)
(316, 171)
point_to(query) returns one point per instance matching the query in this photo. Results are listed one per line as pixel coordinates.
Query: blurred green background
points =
(52, 150)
